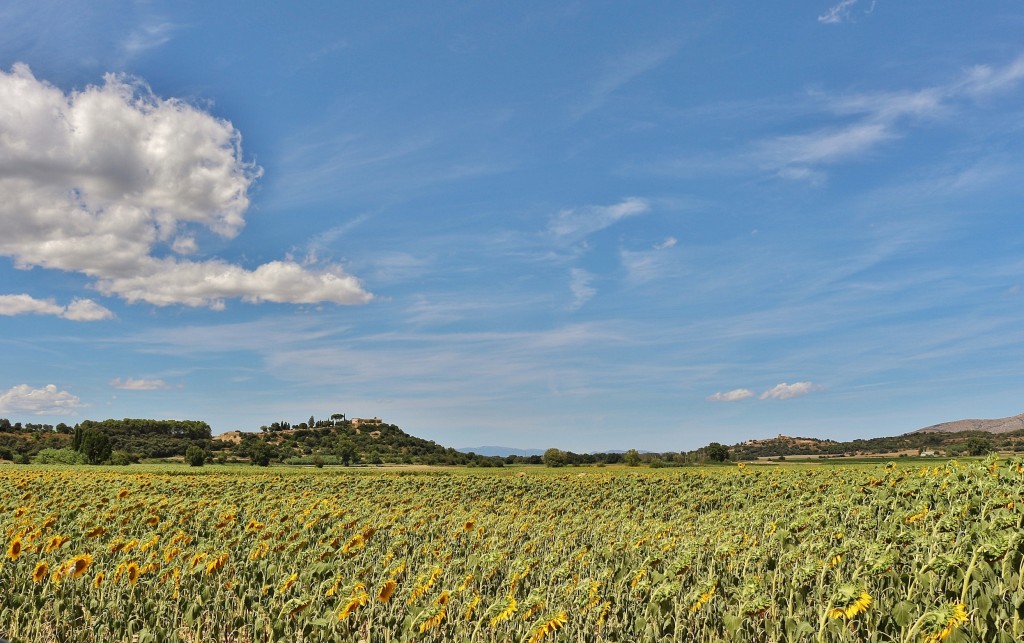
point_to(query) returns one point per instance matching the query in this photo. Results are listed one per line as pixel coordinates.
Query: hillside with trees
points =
(938, 443)
(337, 440)
(332, 441)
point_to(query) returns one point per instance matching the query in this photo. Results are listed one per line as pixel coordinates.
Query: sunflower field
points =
(745, 553)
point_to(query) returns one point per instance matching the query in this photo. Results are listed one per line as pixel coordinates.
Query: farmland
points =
(745, 553)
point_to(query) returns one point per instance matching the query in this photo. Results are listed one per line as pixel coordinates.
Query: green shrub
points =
(60, 456)
(120, 458)
(195, 456)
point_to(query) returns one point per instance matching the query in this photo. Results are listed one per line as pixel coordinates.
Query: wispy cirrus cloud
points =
(983, 80)
(838, 13)
(133, 384)
(622, 70)
(150, 35)
(77, 310)
(666, 243)
(575, 223)
(862, 124)
(579, 285)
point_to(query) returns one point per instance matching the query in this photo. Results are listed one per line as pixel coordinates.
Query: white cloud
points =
(167, 282)
(86, 310)
(146, 37)
(579, 284)
(576, 223)
(876, 119)
(623, 70)
(97, 180)
(789, 391)
(983, 79)
(39, 401)
(837, 13)
(12, 305)
(646, 265)
(131, 384)
(734, 395)
(77, 310)
(825, 146)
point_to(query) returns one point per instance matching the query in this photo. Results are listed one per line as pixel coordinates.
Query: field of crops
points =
(875, 553)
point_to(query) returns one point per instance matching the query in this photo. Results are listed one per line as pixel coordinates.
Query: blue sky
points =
(583, 225)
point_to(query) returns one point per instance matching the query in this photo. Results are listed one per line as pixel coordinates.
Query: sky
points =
(583, 225)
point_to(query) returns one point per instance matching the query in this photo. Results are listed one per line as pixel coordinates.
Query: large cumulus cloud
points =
(48, 400)
(114, 182)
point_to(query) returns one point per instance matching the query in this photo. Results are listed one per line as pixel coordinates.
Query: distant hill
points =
(962, 437)
(341, 441)
(1002, 425)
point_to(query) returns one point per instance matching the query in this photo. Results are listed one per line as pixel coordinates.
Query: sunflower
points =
(96, 532)
(14, 549)
(358, 598)
(288, 582)
(511, 607)
(434, 621)
(40, 572)
(704, 597)
(217, 564)
(945, 621)
(97, 581)
(386, 590)
(79, 564)
(849, 602)
(550, 626)
(133, 572)
(55, 543)
(472, 606)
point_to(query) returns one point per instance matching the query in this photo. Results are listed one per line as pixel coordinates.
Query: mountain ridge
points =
(999, 425)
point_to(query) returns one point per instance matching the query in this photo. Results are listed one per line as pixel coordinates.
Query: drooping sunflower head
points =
(386, 590)
(56, 543)
(941, 623)
(850, 601)
(96, 532)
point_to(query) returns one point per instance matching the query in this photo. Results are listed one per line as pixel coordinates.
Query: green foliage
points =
(717, 452)
(979, 445)
(120, 458)
(151, 438)
(60, 456)
(554, 458)
(195, 456)
(346, 452)
(260, 454)
(631, 458)
(95, 445)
